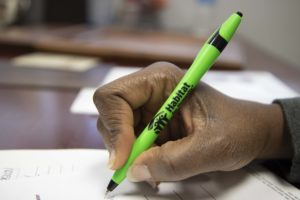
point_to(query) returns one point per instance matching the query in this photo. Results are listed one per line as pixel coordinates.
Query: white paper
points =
(56, 61)
(91, 177)
(83, 103)
(258, 86)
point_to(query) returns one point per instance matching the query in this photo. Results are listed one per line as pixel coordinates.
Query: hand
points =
(210, 131)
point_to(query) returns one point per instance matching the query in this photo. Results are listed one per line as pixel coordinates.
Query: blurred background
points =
(271, 24)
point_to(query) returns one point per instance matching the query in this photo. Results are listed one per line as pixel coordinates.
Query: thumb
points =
(170, 162)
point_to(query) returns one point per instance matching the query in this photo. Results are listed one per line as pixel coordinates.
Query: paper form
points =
(257, 86)
(27, 165)
(92, 177)
(17, 173)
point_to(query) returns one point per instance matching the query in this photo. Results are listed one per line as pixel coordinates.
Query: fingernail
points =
(111, 160)
(139, 173)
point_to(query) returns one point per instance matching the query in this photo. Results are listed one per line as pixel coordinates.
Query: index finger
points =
(117, 101)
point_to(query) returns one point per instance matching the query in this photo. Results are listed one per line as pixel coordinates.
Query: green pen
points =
(203, 61)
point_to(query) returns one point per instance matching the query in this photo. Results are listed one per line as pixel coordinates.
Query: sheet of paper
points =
(29, 164)
(91, 176)
(260, 86)
(84, 100)
(257, 86)
(54, 61)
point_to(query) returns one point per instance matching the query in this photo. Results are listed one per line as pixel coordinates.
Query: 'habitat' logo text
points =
(176, 100)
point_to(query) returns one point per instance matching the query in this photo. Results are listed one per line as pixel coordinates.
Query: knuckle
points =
(104, 101)
(161, 63)
(108, 116)
(164, 66)
(99, 96)
(109, 125)
(113, 125)
(169, 164)
(163, 165)
(100, 125)
(163, 72)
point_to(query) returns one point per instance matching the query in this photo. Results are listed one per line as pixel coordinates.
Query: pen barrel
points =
(204, 60)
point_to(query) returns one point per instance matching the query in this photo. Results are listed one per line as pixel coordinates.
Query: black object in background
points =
(65, 11)
(53, 12)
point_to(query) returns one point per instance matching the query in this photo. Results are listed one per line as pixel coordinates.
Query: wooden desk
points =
(115, 44)
(40, 118)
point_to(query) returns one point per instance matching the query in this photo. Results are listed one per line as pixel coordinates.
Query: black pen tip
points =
(239, 13)
(111, 186)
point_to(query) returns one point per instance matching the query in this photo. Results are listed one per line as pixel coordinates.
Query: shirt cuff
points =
(291, 114)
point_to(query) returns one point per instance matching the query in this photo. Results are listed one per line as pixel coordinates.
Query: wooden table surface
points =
(39, 117)
(34, 118)
(134, 47)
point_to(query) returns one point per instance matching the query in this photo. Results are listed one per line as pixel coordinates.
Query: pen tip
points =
(106, 194)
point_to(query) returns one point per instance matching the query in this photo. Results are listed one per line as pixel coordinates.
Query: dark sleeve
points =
(291, 112)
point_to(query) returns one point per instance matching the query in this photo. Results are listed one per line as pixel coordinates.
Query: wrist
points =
(278, 144)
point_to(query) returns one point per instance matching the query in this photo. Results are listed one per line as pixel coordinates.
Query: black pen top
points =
(239, 13)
